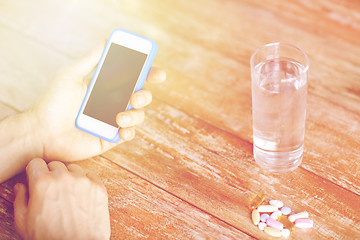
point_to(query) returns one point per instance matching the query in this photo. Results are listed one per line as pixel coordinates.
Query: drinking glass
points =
(279, 89)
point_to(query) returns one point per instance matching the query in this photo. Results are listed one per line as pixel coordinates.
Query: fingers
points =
(73, 169)
(141, 99)
(35, 168)
(156, 75)
(127, 120)
(83, 66)
(20, 208)
(38, 166)
(130, 118)
(57, 167)
(76, 170)
(127, 134)
(95, 178)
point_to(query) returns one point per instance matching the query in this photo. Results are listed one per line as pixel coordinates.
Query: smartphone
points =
(122, 70)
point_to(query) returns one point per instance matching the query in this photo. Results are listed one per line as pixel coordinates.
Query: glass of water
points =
(279, 89)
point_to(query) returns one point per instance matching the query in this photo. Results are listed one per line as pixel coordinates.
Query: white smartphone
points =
(121, 71)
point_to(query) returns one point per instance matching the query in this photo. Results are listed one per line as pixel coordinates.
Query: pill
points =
(285, 210)
(264, 217)
(304, 223)
(267, 208)
(276, 203)
(272, 231)
(287, 224)
(276, 214)
(285, 232)
(256, 201)
(255, 216)
(261, 226)
(293, 217)
(275, 224)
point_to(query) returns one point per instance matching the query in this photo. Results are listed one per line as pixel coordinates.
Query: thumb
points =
(83, 66)
(20, 208)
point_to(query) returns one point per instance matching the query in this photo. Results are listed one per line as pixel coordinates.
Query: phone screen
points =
(115, 83)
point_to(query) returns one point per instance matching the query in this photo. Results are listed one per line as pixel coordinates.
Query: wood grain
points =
(141, 210)
(215, 170)
(190, 173)
(7, 231)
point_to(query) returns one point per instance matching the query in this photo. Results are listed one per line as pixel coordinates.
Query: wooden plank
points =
(7, 230)
(150, 207)
(205, 72)
(139, 209)
(215, 171)
(332, 143)
(206, 52)
(6, 188)
(71, 27)
(26, 68)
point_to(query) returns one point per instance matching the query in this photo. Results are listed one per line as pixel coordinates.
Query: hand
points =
(62, 203)
(57, 109)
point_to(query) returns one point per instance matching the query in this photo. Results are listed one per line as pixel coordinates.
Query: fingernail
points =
(140, 100)
(127, 135)
(126, 119)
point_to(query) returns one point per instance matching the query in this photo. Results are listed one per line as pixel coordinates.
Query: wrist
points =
(32, 134)
(19, 143)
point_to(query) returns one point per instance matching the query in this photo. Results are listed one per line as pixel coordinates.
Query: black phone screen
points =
(115, 83)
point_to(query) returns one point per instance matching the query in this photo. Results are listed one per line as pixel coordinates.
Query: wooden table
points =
(190, 172)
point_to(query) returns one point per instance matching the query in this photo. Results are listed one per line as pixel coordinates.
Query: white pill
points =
(272, 231)
(285, 232)
(276, 214)
(264, 217)
(277, 203)
(286, 210)
(267, 208)
(293, 217)
(261, 226)
(304, 223)
(255, 216)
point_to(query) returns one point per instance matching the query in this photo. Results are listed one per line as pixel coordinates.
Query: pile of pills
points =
(275, 219)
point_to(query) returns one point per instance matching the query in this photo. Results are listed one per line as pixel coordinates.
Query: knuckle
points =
(42, 181)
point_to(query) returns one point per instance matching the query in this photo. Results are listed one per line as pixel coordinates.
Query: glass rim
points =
(307, 60)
